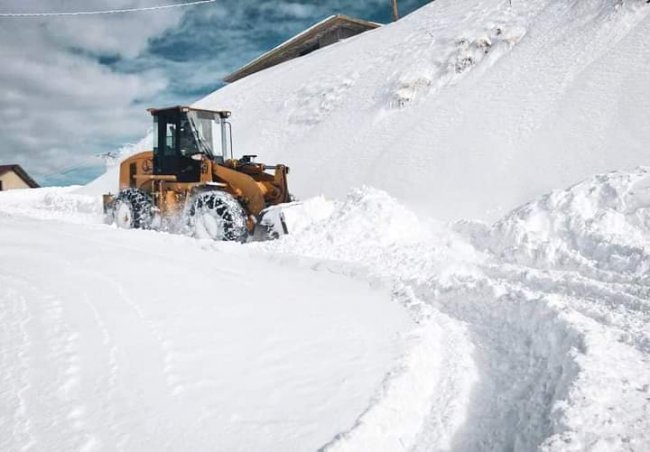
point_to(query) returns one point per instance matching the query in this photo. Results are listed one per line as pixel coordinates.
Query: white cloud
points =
(58, 105)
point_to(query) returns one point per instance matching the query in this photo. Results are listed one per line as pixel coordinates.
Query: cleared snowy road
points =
(133, 340)
(532, 333)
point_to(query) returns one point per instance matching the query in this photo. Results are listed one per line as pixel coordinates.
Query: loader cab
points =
(183, 136)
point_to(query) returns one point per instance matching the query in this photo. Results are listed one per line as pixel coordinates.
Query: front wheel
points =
(133, 209)
(217, 215)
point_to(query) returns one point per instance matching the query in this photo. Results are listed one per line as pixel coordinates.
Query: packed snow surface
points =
(440, 289)
(367, 328)
(127, 340)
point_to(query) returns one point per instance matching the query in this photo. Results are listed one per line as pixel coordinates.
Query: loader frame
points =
(255, 186)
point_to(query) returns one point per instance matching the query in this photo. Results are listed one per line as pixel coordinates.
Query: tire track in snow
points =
(61, 355)
(535, 348)
(173, 380)
(53, 345)
(177, 383)
(67, 401)
(617, 305)
(435, 371)
(92, 364)
(14, 317)
(158, 392)
(165, 345)
(162, 342)
(524, 356)
(495, 388)
(113, 375)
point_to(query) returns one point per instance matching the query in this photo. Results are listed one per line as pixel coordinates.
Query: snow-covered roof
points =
(305, 42)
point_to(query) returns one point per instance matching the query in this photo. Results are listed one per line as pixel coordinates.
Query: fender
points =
(244, 186)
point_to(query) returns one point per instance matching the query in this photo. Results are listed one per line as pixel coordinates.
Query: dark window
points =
(155, 135)
(170, 139)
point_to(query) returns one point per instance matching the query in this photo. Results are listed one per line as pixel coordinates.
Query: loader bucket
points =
(271, 224)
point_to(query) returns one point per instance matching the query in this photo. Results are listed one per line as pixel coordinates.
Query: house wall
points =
(10, 180)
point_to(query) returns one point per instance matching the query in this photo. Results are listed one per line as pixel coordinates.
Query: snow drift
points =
(553, 299)
(463, 109)
(532, 331)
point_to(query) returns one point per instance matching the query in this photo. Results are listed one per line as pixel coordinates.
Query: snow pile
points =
(560, 356)
(601, 225)
(53, 203)
(586, 251)
(303, 214)
(532, 333)
(463, 109)
(368, 222)
(350, 238)
(367, 217)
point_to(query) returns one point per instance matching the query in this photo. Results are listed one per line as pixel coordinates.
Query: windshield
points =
(205, 131)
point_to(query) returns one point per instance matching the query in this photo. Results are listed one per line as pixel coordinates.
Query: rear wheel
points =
(217, 215)
(133, 209)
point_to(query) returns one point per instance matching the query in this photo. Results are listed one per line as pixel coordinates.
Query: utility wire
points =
(111, 11)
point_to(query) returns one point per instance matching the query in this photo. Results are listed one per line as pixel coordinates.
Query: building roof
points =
(20, 172)
(299, 44)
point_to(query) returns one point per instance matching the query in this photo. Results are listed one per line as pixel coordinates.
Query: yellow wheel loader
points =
(190, 182)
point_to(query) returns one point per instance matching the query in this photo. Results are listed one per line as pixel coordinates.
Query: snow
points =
(54, 203)
(397, 331)
(467, 269)
(140, 341)
(551, 303)
(463, 109)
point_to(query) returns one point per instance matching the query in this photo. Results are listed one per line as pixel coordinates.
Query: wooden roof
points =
(20, 172)
(304, 43)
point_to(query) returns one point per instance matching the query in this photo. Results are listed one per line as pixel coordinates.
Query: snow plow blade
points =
(272, 223)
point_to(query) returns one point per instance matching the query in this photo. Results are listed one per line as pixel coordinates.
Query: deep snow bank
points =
(53, 203)
(553, 299)
(601, 226)
(533, 332)
(463, 109)
(586, 251)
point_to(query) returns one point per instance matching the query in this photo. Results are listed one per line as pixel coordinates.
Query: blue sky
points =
(76, 87)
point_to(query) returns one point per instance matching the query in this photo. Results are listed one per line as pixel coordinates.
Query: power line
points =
(111, 11)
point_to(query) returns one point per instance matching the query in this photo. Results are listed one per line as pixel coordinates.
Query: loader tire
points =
(133, 209)
(217, 215)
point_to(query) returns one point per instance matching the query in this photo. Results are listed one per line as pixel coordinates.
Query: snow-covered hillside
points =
(465, 283)
(464, 109)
